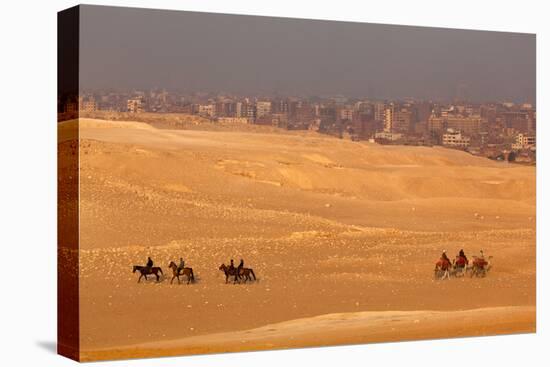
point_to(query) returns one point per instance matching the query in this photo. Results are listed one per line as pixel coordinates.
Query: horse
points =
(246, 273)
(442, 268)
(229, 272)
(177, 272)
(146, 270)
(480, 266)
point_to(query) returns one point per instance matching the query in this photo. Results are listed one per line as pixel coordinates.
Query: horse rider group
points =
(181, 265)
(239, 267)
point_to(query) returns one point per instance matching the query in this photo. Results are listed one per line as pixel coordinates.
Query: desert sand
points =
(342, 236)
(343, 328)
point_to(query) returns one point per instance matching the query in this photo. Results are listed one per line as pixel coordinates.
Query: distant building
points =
(281, 106)
(517, 120)
(388, 136)
(207, 110)
(527, 106)
(467, 125)
(423, 111)
(135, 105)
(420, 127)
(379, 111)
(250, 112)
(220, 108)
(315, 125)
(524, 142)
(397, 120)
(239, 109)
(263, 108)
(346, 114)
(87, 105)
(402, 121)
(455, 139)
(388, 118)
(232, 120)
(279, 119)
(436, 124)
(303, 115)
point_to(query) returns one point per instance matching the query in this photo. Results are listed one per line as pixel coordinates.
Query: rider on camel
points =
(480, 261)
(462, 255)
(444, 257)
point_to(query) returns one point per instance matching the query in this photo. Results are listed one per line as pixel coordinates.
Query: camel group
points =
(478, 267)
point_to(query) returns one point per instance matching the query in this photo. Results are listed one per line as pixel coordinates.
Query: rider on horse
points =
(234, 270)
(241, 265)
(181, 265)
(149, 262)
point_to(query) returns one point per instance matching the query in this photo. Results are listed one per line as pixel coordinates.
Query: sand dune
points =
(329, 226)
(341, 328)
(354, 179)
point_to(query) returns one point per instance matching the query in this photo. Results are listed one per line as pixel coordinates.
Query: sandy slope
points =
(342, 328)
(329, 226)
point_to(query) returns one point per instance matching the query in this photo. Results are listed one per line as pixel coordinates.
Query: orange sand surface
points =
(343, 328)
(341, 235)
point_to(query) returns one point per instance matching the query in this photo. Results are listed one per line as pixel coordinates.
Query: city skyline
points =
(217, 94)
(269, 56)
(493, 130)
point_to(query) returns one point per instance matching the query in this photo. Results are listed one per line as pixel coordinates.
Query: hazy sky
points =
(137, 48)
